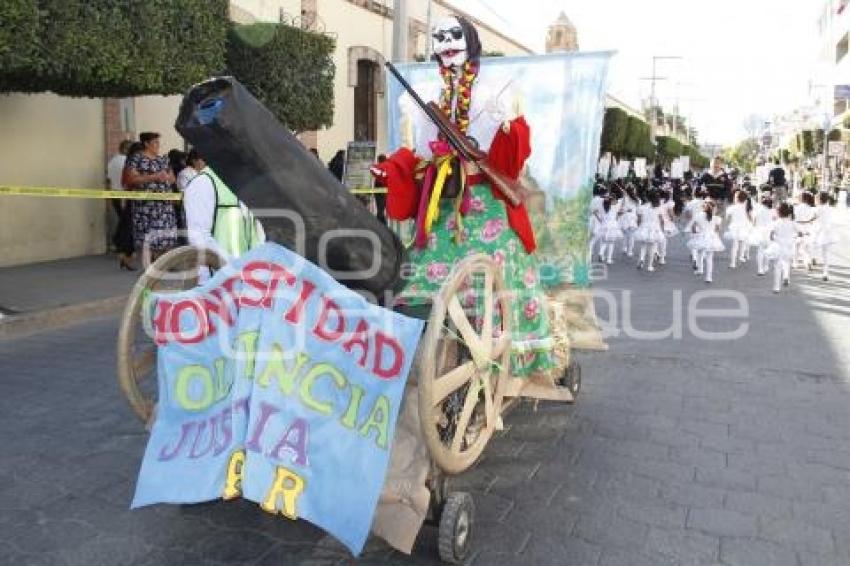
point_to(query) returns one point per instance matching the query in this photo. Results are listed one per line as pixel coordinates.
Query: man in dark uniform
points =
(778, 183)
(717, 181)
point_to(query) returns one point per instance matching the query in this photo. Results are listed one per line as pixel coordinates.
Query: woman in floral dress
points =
(154, 221)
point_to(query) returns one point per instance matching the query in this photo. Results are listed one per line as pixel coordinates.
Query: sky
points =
(738, 57)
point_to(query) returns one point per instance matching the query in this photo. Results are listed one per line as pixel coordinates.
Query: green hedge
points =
(18, 37)
(808, 143)
(290, 70)
(634, 131)
(101, 48)
(668, 147)
(614, 130)
(626, 136)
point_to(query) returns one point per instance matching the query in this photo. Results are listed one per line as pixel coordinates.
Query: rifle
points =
(463, 145)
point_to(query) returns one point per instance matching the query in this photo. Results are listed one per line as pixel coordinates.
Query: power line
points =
(495, 13)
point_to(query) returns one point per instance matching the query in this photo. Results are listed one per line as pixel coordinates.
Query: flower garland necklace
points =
(469, 72)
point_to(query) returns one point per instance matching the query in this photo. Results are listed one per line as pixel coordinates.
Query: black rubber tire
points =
(456, 527)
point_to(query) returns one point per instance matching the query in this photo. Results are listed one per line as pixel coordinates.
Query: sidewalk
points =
(41, 296)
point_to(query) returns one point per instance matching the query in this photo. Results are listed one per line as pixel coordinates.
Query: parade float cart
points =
(460, 385)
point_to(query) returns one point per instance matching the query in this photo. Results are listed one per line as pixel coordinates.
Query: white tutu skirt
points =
(774, 251)
(823, 238)
(709, 242)
(759, 236)
(738, 232)
(650, 234)
(628, 222)
(610, 232)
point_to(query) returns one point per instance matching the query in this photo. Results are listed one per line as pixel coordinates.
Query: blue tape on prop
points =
(208, 111)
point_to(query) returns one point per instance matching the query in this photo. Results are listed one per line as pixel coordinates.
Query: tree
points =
(818, 140)
(807, 143)
(99, 48)
(291, 71)
(743, 155)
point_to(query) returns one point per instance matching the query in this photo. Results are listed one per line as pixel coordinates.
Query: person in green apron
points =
(216, 219)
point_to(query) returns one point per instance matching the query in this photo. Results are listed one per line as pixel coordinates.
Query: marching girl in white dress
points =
(763, 218)
(628, 219)
(594, 220)
(706, 241)
(609, 231)
(668, 208)
(650, 232)
(823, 235)
(740, 226)
(693, 208)
(783, 235)
(804, 217)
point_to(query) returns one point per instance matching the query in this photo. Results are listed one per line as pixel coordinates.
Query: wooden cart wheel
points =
(175, 271)
(463, 367)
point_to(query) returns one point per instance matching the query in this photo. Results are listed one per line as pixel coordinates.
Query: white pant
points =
(781, 270)
(705, 264)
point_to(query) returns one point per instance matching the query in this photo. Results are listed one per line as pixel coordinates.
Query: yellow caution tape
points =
(125, 195)
(87, 193)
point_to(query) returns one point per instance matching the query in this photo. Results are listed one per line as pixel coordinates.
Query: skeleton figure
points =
(455, 42)
(494, 104)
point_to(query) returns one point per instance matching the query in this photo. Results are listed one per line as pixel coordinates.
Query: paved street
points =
(680, 450)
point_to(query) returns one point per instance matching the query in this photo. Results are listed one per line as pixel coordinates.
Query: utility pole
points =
(400, 30)
(652, 101)
(430, 49)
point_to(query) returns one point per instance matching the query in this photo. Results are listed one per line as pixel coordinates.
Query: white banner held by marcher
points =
(604, 166)
(676, 170)
(685, 160)
(640, 168)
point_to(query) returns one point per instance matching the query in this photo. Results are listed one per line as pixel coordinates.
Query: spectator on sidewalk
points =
(337, 165)
(122, 234)
(381, 199)
(194, 165)
(154, 221)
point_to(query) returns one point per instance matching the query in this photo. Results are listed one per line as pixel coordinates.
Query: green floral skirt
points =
(485, 229)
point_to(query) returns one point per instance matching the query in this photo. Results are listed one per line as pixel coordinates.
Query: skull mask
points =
(455, 41)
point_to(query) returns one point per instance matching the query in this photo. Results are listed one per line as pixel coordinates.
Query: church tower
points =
(562, 35)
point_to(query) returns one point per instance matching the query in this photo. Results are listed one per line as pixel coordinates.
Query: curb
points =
(29, 323)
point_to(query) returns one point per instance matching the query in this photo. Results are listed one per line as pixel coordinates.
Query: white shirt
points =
(185, 177)
(785, 233)
(737, 214)
(199, 204)
(113, 171)
(763, 216)
(651, 216)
